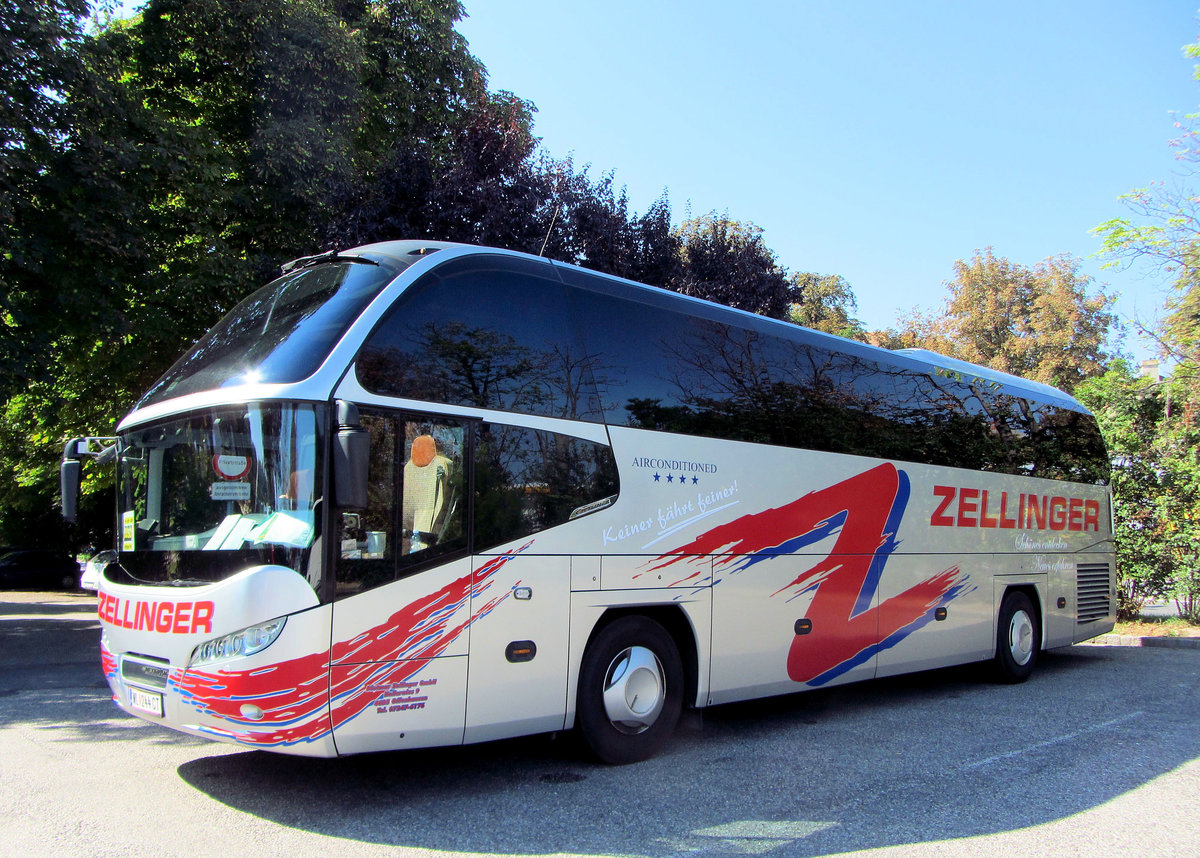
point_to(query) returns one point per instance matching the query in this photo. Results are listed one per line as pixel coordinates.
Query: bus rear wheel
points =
(630, 690)
(1018, 638)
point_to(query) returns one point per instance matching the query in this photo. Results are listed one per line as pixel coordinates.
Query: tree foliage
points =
(38, 62)
(1156, 488)
(1040, 323)
(1161, 232)
(825, 302)
(728, 262)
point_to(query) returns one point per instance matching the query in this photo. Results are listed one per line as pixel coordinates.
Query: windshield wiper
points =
(317, 259)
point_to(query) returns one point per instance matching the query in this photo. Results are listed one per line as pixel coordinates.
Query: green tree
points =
(728, 262)
(1130, 411)
(1041, 323)
(825, 302)
(1162, 233)
(1156, 488)
(179, 157)
(38, 62)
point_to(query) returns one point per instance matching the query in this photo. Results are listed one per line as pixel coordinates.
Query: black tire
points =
(1018, 638)
(632, 659)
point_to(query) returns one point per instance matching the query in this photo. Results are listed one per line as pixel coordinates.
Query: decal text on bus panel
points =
(959, 506)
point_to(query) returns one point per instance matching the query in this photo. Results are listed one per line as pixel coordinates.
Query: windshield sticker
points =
(128, 530)
(231, 467)
(230, 491)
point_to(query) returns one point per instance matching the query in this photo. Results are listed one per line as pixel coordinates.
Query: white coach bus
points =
(418, 494)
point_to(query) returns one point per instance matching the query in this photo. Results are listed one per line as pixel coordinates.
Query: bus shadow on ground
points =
(924, 757)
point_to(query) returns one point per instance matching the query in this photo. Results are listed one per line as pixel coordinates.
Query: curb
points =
(1131, 640)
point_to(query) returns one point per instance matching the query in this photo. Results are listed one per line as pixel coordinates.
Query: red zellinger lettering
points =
(176, 618)
(969, 507)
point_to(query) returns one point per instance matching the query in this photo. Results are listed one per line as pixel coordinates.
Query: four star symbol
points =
(682, 478)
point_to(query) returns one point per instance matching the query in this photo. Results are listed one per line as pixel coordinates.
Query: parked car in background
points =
(38, 569)
(94, 568)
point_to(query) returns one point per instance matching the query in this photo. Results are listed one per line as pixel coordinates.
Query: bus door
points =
(403, 607)
(526, 497)
(519, 643)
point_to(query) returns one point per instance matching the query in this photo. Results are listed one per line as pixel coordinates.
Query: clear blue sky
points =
(877, 140)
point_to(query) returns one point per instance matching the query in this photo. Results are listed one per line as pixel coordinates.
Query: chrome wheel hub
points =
(1020, 638)
(634, 690)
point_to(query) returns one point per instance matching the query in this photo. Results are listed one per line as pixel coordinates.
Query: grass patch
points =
(1156, 627)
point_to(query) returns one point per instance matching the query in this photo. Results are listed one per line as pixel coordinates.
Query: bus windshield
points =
(208, 495)
(281, 333)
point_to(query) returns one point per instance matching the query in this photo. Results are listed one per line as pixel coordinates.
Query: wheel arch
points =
(677, 624)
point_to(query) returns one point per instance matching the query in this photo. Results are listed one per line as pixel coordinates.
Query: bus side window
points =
(528, 480)
(367, 537)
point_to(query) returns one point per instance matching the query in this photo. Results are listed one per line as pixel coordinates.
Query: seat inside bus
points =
(427, 493)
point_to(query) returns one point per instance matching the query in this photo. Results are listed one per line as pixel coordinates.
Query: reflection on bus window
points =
(528, 480)
(665, 366)
(487, 332)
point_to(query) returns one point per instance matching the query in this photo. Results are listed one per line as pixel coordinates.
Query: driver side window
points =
(415, 502)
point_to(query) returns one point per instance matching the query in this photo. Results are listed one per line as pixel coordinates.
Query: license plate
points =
(146, 701)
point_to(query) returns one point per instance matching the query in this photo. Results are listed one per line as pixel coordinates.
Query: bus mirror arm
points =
(351, 457)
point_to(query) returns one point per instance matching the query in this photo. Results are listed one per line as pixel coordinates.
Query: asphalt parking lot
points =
(1098, 754)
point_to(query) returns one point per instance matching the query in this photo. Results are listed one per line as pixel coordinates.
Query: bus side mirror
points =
(351, 458)
(71, 470)
(70, 474)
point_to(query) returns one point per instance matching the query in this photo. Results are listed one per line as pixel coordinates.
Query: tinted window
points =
(1067, 445)
(420, 499)
(281, 333)
(667, 364)
(485, 331)
(417, 501)
(527, 480)
(367, 538)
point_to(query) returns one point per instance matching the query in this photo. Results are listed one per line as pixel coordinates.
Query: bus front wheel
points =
(630, 690)
(1018, 638)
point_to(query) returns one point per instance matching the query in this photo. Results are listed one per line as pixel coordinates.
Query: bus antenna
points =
(553, 218)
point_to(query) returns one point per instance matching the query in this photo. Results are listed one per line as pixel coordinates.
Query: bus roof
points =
(407, 250)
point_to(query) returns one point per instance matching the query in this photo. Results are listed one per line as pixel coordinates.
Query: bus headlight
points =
(242, 642)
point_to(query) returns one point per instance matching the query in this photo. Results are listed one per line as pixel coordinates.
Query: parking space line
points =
(1057, 740)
